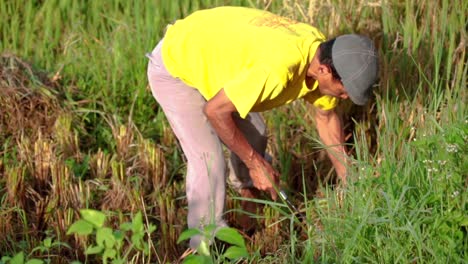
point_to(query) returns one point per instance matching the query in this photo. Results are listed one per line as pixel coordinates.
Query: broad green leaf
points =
(94, 250)
(231, 236)
(35, 261)
(146, 249)
(18, 258)
(119, 235)
(137, 223)
(109, 253)
(188, 234)
(236, 252)
(136, 240)
(464, 222)
(105, 237)
(151, 228)
(95, 217)
(126, 226)
(209, 229)
(5, 259)
(76, 262)
(204, 248)
(195, 259)
(48, 242)
(80, 227)
(60, 244)
(119, 261)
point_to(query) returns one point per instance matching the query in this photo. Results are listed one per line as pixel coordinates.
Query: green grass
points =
(96, 138)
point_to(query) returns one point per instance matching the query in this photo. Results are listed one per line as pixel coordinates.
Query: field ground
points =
(80, 130)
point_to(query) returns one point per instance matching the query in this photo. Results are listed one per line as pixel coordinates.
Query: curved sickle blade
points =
(301, 216)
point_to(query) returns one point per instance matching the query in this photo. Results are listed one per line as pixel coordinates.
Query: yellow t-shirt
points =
(259, 58)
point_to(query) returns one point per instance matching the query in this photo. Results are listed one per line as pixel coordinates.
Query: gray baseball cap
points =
(356, 61)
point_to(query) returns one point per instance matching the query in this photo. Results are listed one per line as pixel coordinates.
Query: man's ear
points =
(324, 69)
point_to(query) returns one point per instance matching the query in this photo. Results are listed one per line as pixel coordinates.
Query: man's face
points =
(326, 84)
(332, 87)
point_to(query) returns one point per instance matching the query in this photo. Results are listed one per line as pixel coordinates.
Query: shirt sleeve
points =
(247, 88)
(324, 102)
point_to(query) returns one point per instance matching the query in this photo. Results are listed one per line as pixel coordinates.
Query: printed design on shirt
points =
(273, 21)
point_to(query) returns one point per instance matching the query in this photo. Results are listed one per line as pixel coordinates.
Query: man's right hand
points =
(264, 177)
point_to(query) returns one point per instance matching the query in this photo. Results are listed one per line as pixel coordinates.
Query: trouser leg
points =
(206, 167)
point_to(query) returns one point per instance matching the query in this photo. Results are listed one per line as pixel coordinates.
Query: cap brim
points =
(356, 97)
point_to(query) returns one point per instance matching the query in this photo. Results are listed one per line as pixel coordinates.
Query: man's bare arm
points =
(330, 130)
(219, 112)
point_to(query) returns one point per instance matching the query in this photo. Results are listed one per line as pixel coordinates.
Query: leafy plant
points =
(45, 248)
(108, 242)
(209, 252)
(19, 258)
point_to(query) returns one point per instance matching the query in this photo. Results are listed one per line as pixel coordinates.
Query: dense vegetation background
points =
(79, 129)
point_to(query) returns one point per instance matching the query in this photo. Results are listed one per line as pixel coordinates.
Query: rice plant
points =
(79, 129)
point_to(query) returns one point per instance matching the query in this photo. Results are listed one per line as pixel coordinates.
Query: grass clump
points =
(84, 132)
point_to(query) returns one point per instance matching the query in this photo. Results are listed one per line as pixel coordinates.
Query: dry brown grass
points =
(30, 101)
(47, 178)
(37, 182)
